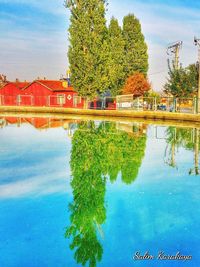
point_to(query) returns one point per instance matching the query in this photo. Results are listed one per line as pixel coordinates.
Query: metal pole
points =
(199, 70)
(197, 43)
(176, 57)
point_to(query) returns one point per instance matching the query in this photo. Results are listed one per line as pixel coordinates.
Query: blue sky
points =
(34, 38)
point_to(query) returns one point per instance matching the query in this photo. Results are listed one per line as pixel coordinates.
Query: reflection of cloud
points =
(39, 164)
(55, 182)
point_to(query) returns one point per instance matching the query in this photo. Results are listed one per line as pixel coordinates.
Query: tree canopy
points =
(136, 84)
(88, 50)
(116, 57)
(101, 58)
(136, 56)
(182, 82)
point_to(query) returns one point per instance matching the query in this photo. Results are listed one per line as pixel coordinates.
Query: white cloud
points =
(44, 52)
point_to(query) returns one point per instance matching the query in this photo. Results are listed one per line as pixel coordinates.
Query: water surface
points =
(91, 193)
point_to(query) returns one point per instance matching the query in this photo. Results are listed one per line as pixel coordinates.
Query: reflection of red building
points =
(38, 123)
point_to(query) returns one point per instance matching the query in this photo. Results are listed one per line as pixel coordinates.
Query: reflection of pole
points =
(195, 170)
(196, 152)
(173, 163)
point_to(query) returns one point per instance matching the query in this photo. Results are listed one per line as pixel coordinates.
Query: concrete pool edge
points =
(128, 114)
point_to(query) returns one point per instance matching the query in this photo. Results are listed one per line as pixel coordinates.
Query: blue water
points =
(158, 211)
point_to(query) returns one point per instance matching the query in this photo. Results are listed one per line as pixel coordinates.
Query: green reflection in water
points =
(99, 152)
(186, 138)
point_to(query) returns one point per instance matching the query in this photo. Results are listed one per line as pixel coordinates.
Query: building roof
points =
(55, 86)
(18, 85)
(21, 85)
(3, 84)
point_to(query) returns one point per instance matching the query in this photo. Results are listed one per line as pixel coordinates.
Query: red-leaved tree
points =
(136, 84)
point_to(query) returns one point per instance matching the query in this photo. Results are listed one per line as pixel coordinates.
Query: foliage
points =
(136, 84)
(182, 82)
(181, 137)
(116, 57)
(98, 152)
(88, 49)
(87, 209)
(193, 76)
(136, 56)
(153, 94)
(102, 58)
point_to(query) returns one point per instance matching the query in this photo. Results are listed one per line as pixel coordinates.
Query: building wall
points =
(8, 95)
(38, 95)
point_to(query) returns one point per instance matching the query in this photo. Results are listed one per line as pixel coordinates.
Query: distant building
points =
(10, 91)
(51, 93)
(40, 93)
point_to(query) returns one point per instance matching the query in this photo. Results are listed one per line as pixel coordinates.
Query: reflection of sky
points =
(33, 162)
(156, 213)
(159, 211)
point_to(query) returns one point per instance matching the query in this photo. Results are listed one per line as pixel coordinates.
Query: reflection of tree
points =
(87, 209)
(172, 143)
(183, 137)
(97, 152)
(122, 152)
(196, 153)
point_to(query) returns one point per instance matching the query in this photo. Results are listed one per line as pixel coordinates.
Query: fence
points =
(59, 100)
(108, 103)
(121, 102)
(171, 104)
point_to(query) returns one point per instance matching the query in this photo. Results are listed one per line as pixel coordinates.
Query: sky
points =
(34, 37)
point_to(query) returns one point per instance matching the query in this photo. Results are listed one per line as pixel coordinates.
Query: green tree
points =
(88, 50)
(136, 56)
(182, 82)
(193, 76)
(116, 57)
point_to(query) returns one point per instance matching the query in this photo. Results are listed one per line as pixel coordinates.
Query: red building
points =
(51, 93)
(9, 93)
(40, 93)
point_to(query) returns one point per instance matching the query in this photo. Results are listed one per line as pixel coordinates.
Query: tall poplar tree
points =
(88, 50)
(136, 56)
(116, 57)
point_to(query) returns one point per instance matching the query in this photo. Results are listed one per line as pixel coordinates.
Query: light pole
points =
(174, 48)
(197, 43)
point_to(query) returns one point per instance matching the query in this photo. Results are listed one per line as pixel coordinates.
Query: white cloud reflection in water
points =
(33, 162)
